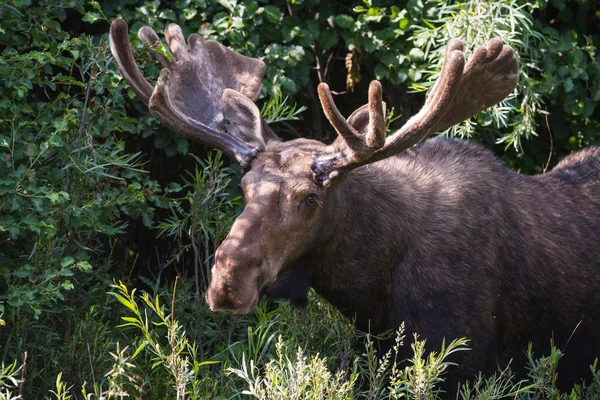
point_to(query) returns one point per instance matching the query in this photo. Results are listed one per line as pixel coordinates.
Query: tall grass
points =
(277, 352)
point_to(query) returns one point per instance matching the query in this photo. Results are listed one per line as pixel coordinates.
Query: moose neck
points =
(352, 267)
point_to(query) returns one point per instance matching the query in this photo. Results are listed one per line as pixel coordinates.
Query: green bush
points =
(87, 175)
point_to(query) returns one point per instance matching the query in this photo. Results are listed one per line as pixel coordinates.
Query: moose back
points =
(440, 235)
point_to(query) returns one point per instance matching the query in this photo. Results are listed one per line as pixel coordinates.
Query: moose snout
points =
(223, 299)
(235, 285)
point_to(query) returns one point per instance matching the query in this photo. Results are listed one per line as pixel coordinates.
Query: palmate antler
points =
(460, 92)
(206, 89)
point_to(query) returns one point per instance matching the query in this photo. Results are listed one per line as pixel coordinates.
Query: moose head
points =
(291, 188)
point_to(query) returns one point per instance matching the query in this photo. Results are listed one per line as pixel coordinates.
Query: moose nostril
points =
(226, 305)
(221, 303)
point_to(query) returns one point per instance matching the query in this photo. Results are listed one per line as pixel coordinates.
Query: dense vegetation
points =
(96, 198)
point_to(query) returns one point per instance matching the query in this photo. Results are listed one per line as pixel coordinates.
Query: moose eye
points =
(312, 200)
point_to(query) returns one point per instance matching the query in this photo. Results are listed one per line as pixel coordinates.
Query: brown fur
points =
(443, 237)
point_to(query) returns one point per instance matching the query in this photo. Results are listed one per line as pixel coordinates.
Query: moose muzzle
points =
(236, 282)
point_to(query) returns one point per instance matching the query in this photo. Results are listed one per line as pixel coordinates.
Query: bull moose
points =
(439, 234)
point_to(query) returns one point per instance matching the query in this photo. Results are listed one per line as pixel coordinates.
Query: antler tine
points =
(459, 93)
(359, 145)
(490, 75)
(121, 50)
(332, 113)
(375, 136)
(436, 105)
(148, 36)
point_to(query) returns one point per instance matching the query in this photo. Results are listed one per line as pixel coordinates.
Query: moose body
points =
(441, 235)
(449, 240)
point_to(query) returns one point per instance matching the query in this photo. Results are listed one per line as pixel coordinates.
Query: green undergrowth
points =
(168, 345)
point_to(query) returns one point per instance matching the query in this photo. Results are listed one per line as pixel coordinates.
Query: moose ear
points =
(243, 120)
(359, 119)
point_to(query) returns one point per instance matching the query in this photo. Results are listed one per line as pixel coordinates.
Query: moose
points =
(438, 234)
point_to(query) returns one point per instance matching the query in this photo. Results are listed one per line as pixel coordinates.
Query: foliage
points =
(206, 218)
(93, 191)
(294, 378)
(475, 23)
(66, 178)
(270, 362)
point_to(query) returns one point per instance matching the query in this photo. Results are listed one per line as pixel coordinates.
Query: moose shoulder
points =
(440, 235)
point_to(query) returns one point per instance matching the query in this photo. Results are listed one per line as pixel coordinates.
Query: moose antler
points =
(206, 86)
(459, 93)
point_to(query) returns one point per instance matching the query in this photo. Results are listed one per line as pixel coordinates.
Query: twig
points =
(327, 64)
(206, 264)
(91, 365)
(545, 114)
(86, 102)
(196, 267)
(572, 333)
(173, 301)
(517, 391)
(22, 383)
(318, 67)
(172, 336)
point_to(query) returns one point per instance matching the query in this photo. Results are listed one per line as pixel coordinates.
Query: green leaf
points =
(67, 261)
(381, 71)
(344, 21)
(171, 149)
(208, 362)
(66, 272)
(568, 84)
(228, 4)
(563, 71)
(588, 108)
(370, 42)
(374, 14)
(95, 5)
(288, 84)
(416, 55)
(138, 349)
(54, 197)
(414, 75)
(91, 17)
(23, 272)
(173, 187)
(182, 145)
(84, 266)
(273, 14)
(125, 302)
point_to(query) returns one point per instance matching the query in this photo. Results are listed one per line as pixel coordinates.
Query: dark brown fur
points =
(449, 240)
